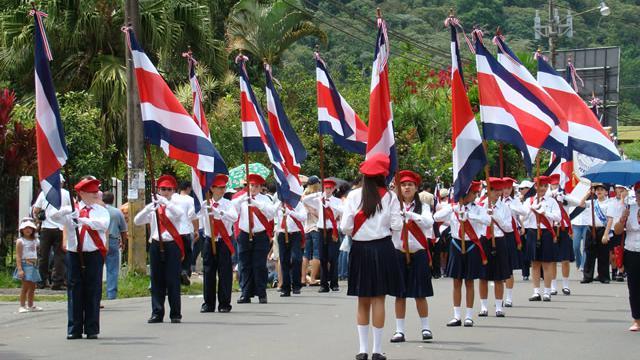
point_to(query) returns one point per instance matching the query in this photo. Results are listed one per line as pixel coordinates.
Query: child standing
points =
(26, 265)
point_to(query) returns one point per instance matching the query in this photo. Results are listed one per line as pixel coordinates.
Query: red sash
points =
(516, 233)
(268, 226)
(360, 216)
(566, 221)
(97, 240)
(167, 225)
(328, 214)
(543, 219)
(413, 228)
(471, 234)
(298, 223)
(221, 230)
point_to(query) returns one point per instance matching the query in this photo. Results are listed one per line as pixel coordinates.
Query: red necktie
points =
(84, 213)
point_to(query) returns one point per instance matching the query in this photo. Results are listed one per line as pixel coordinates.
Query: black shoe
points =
(323, 289)
(398, 337)
(244, 300)
(206, 309)
(42, 285)
(620, 278)
(362, 356)
(92, 336)
(566, 291)
(508, 303)
(468, 322)
(176, 321)
(454, 322)
(376, 356)
(483, 313)
(426, 335)
(58, 287)
(536, 297)
(296, 291)
(335, 288)
(554, 292)
(154, 319)
(586, 281)
(224, 309)
(525, 278)
(546, 297)
(604, 281)
(262, 300)
(499, 313)
(285, 294)
(74, 336)
(184, 279)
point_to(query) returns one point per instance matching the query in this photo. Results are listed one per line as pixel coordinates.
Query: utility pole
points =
(553, 34)
(137, 258)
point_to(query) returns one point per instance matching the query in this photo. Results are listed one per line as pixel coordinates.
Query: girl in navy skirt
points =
(498, 268)
(512, 236)
(465, 258)
(370, 214)
(542, 212)
(413, 239)
(564, 243)
(27, 264)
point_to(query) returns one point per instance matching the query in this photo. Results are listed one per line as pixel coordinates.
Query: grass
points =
(7, 281)
(37, 298)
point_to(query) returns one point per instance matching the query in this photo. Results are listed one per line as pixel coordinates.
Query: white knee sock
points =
(469, 313)
(498, 305)
(508, 294)
(483, 304)
(400, 325)
(536, 291)
(565, 282)
(547, 291)
(363, 336)
(425, 323)
(553, 284)
(377, 340)
(457, 312)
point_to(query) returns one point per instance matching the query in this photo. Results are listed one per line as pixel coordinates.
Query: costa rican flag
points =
(200, 181)
(257, 137)
(510, 112)
(557, 142)
(586, 135)
(380, 138)
(468, 154)
(335, 116)
(293, 153)
(166, 123)
(51, 147)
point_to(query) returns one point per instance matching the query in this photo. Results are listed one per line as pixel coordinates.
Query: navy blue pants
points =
(220, 266)
(188, 254)
(596, 250)
(329, 251)
(165, 279)
(632, 268)
(290, 260)
(84, 290)
(252, 258)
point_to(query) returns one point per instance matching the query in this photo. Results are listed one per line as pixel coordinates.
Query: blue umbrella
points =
(623, 172)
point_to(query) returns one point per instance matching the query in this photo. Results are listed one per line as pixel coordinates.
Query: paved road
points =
(590, 324)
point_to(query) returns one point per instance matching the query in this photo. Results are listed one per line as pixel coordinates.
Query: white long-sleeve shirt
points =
(377, 226)
(188, 213)
(262, 203)
(604, 207)
(502, 218)
(424, 221)
(476, 216)
(550, 207)
(516, 209)
(148, 216)
(49, 211)
(299, 213)
(229, 215)
(315, 201)
(98, 220)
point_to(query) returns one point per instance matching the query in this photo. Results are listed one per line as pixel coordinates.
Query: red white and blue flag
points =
(51, 146)
(166, 123)
(335, 115)
(380, 138)
(257, 137)
(468, 154)
(586, 135)
(510, 112)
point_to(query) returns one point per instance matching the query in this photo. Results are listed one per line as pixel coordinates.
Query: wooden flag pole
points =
(539, 231)
(73, 208)
(489, 202)
(250, 213)
(212, 225)
(501, 158)
(155, 198)
(321, 153)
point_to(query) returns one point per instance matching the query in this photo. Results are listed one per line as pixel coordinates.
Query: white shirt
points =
(604, 207)
(262, 203)
(98, 220)
(424, 221)
(315, 200)
(299, 213)
(445, 223)
(225, 212)
(311, 222)
(550, 207)
(377, 226)
(516, 209)
(632, 228)
(502, 218)
(29, 248)
(49, 210)
(148, 216)
(476, 216)
(187, 208)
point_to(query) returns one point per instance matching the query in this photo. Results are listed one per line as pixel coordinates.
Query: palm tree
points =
(266, 29)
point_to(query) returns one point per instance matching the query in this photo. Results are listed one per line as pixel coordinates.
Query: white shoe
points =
(35, 308)
(22, 310)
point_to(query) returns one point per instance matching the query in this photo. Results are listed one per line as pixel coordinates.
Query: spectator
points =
(26, 265)
(117, 237)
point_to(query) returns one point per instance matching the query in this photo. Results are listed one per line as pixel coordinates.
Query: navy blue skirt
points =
(374, 269)
(564, 247)
(468, 266)
(415, 275)
(515, 255)
(543, 250)
(498, 267)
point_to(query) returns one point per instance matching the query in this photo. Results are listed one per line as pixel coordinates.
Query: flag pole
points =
(489, 202)
(212, 224)
(247, 186)
(501, 157)
(73, 208)
(155, 198)
(321, 153)
(539, 232)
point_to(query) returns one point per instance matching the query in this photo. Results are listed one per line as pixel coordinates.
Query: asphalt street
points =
(591, 323)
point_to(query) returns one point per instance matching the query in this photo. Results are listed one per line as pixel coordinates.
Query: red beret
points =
(636, 186)
(542, 180)
(88, 185)
(409, 176)
(220, 180)
(255, 179)
(554, 179)
(377, 164)
(496, 183)
(167, 181)
(476, 186)
(508, 182)
(328, 183)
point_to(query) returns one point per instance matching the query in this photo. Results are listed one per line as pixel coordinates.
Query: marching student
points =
(218, 217)
(329, 209)
(513, 238)
(564, 245)
(597, 240)
(498, 268)
(166, 250)
(255, 211)
(85, 258)
(542, 212)
(443, 242)
(370, 215)
(523, 189)
(186, 228)
(466, 255)
(291, 237)
(413, 239)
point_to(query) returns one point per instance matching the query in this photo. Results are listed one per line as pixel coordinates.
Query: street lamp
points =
(604, 9)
